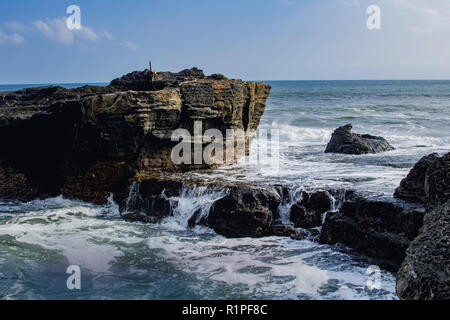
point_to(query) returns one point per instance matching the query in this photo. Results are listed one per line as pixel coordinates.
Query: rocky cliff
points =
(89, 142)
(425, 272)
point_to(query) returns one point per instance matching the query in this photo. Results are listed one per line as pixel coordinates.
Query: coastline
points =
(157, 198)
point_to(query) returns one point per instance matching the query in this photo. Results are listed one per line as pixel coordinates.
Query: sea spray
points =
(288, 198)
(193, 200)
(133, 196)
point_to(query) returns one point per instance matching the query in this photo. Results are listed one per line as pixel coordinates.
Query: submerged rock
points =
(281, 230)
(379, 230)
(344, 141)
(90, 142)
(141, 217)
(244, 212)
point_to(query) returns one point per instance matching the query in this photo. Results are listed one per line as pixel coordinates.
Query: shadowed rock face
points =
(415, 186)
(244, 212)
(380, 230)
(425, 272)
(308, 212)
(344, 141)
(88, 142)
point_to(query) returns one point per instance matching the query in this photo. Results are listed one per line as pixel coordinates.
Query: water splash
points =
(192, 200)
(288, 199)
(133, 196)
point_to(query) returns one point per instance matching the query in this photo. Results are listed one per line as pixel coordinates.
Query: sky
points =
(247, 39)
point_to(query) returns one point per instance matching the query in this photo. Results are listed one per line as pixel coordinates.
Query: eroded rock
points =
(308, 212)
(425, 273)
(379, 230)
(344, 141)
(90, 142)
(244, 212)
(415, 186)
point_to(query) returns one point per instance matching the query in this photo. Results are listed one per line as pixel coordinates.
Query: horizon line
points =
(259, 80)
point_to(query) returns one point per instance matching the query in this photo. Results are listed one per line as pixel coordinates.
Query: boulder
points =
(415, 186)
(344, 141)
(425, 273)
(308, 212)
(244, 212)
(379, 230)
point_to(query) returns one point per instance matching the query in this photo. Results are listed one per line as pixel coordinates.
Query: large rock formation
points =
(425, 272)
(415, 186)
(379, 230)
(344, 141)
(89, 142)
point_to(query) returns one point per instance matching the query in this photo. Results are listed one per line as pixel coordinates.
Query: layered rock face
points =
(88, 142)
(344, 141)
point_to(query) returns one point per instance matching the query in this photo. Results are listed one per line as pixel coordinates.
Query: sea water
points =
(122, 260)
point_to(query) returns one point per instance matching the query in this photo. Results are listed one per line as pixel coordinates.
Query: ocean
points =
(122, 260)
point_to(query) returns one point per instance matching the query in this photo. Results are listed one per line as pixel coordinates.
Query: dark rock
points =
(143, 80)
(218, 76)
(425, 273)
(197, 219)
(90, 142)
(344, 141)
(150, 197)
(287, 231)
(438, 181)
(308, 212)
(244, 212)
(15, 185)
(415, 186)
(141, 217)
(382, 231)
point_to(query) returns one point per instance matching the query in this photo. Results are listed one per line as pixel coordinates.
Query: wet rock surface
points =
(344, 141)
(308, 212)
(425, 273)
(244, 212)
(415, 186)
(379, 230)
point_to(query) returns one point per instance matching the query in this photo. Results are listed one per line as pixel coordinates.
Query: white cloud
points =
(286, 2)
(128, 45)
(56, 29)
(10, 39)
(351, 3)
(426, 17)
(16, 26)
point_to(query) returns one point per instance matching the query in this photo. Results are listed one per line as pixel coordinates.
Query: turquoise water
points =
(40, 239)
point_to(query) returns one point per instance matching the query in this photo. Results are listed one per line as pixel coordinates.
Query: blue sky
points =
(249, 39)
